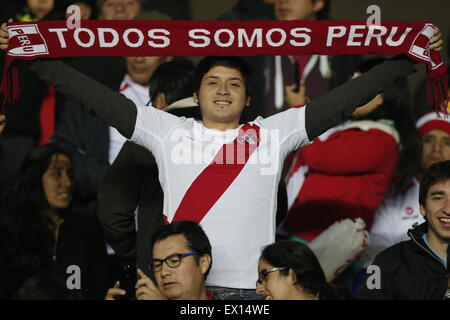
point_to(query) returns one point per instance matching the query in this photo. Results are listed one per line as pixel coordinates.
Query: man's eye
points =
(236, 85)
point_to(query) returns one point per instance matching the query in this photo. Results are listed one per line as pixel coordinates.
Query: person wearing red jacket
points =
(346, 172)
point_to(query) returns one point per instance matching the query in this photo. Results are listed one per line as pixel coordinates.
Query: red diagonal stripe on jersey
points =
(215, 179)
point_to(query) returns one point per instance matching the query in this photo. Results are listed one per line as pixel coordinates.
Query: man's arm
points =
(337, 106)
(118, 198)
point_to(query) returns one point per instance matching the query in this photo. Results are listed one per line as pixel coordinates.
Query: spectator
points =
(181, 260)
(289, 270)
(335, 178)
(418, 269)
(38, 237)
(95, 144)
(274, 76)
(246, 196)
(31, 119)
(109, 71)
(34, 10)
(119, 9)
(399, 212)
(341, 179)
(132, 180)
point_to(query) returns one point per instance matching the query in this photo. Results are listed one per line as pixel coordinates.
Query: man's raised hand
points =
(4, 37)
(436, 42)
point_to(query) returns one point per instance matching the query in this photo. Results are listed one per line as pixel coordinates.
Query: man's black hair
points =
(174, 79)
(233, 62)
(195, 236)
(438, 172)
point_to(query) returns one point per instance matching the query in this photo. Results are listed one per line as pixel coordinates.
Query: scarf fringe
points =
(10, 86)
(437, 92)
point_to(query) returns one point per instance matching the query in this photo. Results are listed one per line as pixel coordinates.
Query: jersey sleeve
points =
(288, 127)
(153, 127)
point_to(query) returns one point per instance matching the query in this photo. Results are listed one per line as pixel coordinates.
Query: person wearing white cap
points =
(398, 214)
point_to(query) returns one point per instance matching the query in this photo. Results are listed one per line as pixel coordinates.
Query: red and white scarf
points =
(54, 39)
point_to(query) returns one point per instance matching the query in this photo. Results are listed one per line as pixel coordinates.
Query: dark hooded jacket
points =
(410, 271)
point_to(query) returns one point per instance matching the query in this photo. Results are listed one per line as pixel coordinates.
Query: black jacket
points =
(409, 271)
(132, 182)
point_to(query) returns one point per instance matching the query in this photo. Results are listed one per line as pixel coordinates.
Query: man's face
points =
(437, 210)
(120, 9)
(297, 9)
(40, 8)
(435, 148)
(222, 97)
(140, 69)
(184, 282)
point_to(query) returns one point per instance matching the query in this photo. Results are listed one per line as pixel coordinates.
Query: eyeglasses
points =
(263, 274)
(172, 261)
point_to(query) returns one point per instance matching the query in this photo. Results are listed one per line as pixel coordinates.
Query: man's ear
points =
(318, 5)
(194, 95)
(205, 262)
(379, 99)
(160, 102)
(422, 211)
(168, 59)
(292, 277)
(248, 102)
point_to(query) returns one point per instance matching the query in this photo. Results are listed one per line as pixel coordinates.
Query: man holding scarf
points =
(216, 172)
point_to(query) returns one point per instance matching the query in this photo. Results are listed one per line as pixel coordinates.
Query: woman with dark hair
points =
(38, 237)
(289, 270)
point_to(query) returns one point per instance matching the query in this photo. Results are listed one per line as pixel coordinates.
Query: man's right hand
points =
(4, 37)
(115, 292)
(296, 98)
(146, 288)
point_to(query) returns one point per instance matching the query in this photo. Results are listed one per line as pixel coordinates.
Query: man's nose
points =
(446, 207)
(437, 146)
(223, 89)
(120, 7)
(165, 270)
